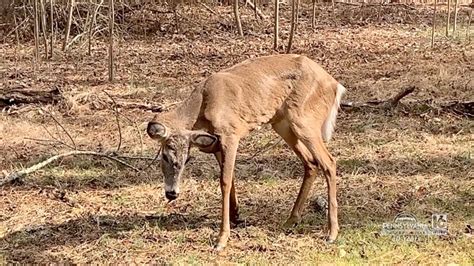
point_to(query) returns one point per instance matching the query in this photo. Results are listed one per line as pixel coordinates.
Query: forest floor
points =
(415, 158)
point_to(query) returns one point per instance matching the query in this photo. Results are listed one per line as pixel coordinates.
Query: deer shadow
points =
(28, 245)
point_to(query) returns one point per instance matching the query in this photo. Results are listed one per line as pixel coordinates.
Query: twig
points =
(257, 10)
(136, 157)
(62, 127)
(154, 159)
(17, 27)
(147, 107)
(208, 8)
(138, 131)
(22, 173)
(57, 140)
(396, 99)
(266, 148)
(117, 120)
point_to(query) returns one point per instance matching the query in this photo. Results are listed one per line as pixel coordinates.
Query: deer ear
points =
(156, 130)
(203, 140)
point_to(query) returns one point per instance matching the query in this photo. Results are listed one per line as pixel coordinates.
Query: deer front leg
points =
(234, 206)
(229, 153)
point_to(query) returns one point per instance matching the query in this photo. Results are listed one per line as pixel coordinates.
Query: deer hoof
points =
(219, 248)
(330, 241)
(236, 220)
(291, 222)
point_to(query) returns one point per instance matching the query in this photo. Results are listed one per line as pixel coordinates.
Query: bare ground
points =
(414, 158)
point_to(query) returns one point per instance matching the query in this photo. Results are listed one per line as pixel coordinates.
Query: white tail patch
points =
(330, 122)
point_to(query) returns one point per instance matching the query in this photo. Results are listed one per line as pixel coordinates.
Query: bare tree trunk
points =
(297, 18)
(468, 29)
(176, 22)
(17, 35)
(294, 23)
(91, 26)
(68, 25)
(456, 6)
(43, 28)
(111, 40)
(333, 6)
(434, 23)
(313, 18)
(254, 8)
(89, 30)
(35, 13)
(237, 17)
(448, 18)
(51, 36)
(276, 25)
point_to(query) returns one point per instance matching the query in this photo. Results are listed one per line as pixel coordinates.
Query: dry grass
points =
(412, 159)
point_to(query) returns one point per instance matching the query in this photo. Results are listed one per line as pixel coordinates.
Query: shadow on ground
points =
(29, 244)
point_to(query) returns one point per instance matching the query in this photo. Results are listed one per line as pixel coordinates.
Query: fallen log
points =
(460, 108)
(12, 97)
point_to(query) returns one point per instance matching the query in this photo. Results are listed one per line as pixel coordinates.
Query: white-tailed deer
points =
(291, 92)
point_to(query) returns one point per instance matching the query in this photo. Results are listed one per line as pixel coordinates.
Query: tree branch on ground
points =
(389, 103)
(457, 107)
(18, 175)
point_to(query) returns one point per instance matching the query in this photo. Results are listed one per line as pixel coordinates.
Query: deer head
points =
(175, 147)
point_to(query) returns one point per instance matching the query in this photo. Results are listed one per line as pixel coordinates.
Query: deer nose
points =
(171, 195)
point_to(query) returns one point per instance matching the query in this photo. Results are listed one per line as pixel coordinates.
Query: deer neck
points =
(187, 113)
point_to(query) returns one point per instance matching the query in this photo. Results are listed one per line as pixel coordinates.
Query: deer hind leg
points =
(284, 130)
(309, 133)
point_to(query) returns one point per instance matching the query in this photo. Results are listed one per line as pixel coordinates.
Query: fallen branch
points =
(376, 4)
(145, 106)
(389, 103)
(266, 148)
(457, 107)
(18, 175)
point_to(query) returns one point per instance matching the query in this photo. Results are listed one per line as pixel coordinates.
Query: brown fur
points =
(291, 92)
